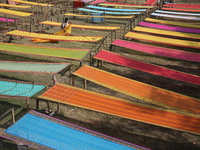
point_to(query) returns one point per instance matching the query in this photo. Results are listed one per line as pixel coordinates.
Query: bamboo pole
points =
(90, 58)
(8, 25)
(73, 80)
(13, 115)
(111, 37)
(58, 107)
(27, 104)
(37, 104)
(97, 63)
(115, 35)
(1, 143)
(85, 83)
(48, 105)
(15, 23)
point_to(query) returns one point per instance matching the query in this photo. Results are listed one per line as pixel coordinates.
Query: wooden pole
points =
(101, 63)
(15, 23)
(13, 115)
(115, 35)
(48, 106)
(73, 80)
(92, 62)
(8, 25)
(69, 76)
(58, 107)
(111, 37)
(30, 27)
(134, 23)
(1, 143)
(81, 63)
(37, 103)
(107, 41)
(27, 104)
(85, 83)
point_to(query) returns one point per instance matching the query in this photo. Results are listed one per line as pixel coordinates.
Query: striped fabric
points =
(160, 51)
(15, 13)
(14, 6)
(116, 9)
(115, 17)
(163, 40)
(119, 107)
(191, 6)
(139, 90)
(76, 54)
(124, 5)
(173, 23)
(151, 2)
(177, 13)
(32, 3)
(183, 10)
(44, 132)
(8, 20)
(15, 88)
(108, 12)
(167, 27)
(83, 26)
(167, 33)
(55, 37)
(176, 16)
(39, 67)
(146, 67)
(97, 1)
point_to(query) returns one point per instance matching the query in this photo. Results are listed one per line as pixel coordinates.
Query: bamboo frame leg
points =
(27, 104)
(1, 143)
(48, 105)
(37, 104)
(8, 25)
(15, 23)
(91, 63)
(93, 60)
(85, 83)
(13, 115)
(97, 63)
(81, 63)
(73, 80)
(58, 107)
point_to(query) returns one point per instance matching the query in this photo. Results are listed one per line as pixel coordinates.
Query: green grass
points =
(139, 133)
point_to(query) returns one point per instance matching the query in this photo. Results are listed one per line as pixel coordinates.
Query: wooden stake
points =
(13, 115)
(15, 23)
(115, 35)
(85, 83)
(73, 80)
(8, 25)
(101, 63)
(90, 58)
(58, 107)
(111, 38)
(1, 143)
(37, 103)
(97, 63)
(48, 106)
(27, 104)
